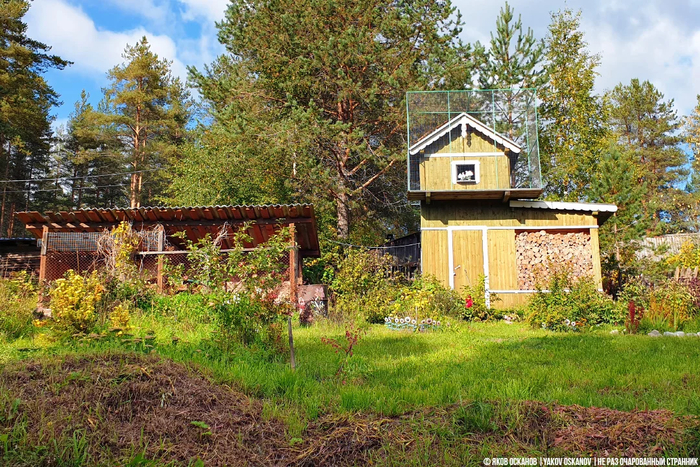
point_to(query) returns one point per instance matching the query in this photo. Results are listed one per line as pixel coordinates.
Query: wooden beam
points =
(42, 260)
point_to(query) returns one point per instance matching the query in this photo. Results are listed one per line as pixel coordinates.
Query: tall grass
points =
(393, 372)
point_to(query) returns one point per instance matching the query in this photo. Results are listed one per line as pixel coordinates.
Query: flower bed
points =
(411, 324)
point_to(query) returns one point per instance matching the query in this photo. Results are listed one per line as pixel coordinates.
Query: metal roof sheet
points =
(561, 206)
(195, 221)
(604, 210)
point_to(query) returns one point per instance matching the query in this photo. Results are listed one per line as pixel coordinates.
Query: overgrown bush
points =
(670, 307)
(688, 256)
(364, 286)
(570, 305)
(250, 320)
(475, 308)
(241, 288)
(17, 302)
(667, 305)
(74, 299)
(426, 297)
(125, 288)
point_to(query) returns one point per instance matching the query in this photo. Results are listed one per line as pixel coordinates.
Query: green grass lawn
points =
(392, 372)
(450, 397)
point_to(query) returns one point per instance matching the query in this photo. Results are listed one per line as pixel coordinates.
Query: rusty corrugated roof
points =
(195, 221)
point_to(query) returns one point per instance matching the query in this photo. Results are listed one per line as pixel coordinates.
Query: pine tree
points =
(514, 58)
(332, 77)
(692, 138)
(615, 183)
(513, 64)
(88, 160)
(25, 121)
(647, 126)
(572, 117)
(147, 110)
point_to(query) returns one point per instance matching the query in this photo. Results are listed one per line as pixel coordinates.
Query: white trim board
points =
(464, 154)
(513, 227)
(561, 206)
(507, 292)
(463, 120)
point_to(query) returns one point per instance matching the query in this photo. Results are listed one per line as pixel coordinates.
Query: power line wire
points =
(77, 178)
(61, 189)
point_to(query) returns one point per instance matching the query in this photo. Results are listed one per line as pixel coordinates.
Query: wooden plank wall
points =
(436, 173)
(595, 250)
(435, 254)
(495, 213)
(468, 260)
(503, 272)
(468, 248)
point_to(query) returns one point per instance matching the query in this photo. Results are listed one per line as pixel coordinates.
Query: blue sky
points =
(658, 40)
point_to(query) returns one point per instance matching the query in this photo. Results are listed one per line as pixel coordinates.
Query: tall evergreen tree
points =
(512, 64)
(89, 161)
(332, 76)
(26, 100)
(615, 182)
(572, 117)
(514, 58)
(692, 139)
(147, 110)
(647, 126)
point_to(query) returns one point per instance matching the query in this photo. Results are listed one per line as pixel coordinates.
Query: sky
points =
(655, 40)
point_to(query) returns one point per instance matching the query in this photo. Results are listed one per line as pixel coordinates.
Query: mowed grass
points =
(392, 372)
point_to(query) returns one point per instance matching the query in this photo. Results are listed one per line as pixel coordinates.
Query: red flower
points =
(469, 303)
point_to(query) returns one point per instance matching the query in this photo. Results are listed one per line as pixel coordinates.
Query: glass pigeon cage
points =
(473, 144)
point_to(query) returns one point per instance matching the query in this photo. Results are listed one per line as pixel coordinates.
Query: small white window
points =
(465, 172)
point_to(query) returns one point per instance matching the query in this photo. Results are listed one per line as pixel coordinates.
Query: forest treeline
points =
(307, 104)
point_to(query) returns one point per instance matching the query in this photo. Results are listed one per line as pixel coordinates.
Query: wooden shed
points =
(478, 218)
(69, 239)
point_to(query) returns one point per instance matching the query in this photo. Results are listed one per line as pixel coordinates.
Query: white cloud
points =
(154, 10)
(74, 36)
(655, 40)
(212, 10)
(653, 49)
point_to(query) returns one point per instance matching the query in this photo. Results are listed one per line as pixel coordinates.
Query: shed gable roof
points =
(195, 221)
(464, 120)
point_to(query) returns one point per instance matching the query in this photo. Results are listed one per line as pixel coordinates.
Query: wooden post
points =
(159, 267)
(42, 258)
(293, 298)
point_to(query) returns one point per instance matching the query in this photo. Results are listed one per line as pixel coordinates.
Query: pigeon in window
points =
(465, 176)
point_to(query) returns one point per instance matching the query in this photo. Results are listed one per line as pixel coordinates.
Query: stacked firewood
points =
(540, 252)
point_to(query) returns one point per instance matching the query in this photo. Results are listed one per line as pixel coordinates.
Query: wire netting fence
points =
(508, 112)
(157, 261)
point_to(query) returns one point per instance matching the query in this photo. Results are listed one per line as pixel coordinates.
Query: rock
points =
(614, 332)
(654, 333)
(666, 333)
(680, 334)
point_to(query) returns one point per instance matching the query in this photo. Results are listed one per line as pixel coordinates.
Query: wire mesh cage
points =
(159, 258)
(510, 113)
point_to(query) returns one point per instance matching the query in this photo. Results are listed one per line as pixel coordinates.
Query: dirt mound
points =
(112, 409)
(128, 405)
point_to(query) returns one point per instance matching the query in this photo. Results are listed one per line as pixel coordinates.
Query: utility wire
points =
(61, 189)
(77, 178)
